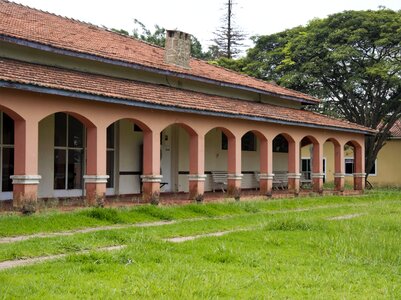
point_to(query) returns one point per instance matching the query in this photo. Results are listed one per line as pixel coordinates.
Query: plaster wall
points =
(33, 107)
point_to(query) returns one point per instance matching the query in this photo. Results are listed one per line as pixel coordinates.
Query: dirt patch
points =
(346, 217)
(181, 239)
(30, 261)
(85, 230)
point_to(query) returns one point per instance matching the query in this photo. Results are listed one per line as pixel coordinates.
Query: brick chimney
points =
(178, 48)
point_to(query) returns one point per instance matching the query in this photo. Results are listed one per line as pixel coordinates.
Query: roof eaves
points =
(84, 55)
(137, 103)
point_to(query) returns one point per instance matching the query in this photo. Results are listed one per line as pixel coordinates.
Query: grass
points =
(284, 253)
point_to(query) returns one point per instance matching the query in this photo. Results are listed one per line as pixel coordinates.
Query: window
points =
(68, 152)
(306, 168)
(248, 142)
(6, 152)
(280, 144)
(349, 167)
(224, 141)
(110, 155)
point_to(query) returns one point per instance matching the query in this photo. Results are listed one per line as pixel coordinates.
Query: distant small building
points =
(86, 112)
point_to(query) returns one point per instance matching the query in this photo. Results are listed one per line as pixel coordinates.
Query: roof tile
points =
(33, 25)
(68, 80)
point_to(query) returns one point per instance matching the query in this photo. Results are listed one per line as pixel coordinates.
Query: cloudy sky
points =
(201, 17)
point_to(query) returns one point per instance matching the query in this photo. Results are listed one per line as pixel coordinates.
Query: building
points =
(85, 111)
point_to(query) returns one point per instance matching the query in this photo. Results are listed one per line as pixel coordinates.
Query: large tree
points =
(228, 37)
(351, 60)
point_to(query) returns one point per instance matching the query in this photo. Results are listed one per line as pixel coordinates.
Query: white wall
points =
(46, 157)
(128, 149)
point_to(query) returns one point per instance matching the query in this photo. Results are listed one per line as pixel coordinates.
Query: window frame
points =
(4, 195)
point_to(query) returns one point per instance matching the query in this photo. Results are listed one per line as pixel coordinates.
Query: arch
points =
(334, 141)
(13, 115)
(309, 139)
(263, 153)
(141, 124)
(226, 131)
(354, 144)
(258, 134)
(186, 127)
(84, 120)
(287, 136)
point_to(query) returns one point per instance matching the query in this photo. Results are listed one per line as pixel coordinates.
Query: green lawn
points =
(278, 249)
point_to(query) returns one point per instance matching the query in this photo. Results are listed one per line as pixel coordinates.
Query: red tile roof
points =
(18, 21)
(12, 71)
(395, 131)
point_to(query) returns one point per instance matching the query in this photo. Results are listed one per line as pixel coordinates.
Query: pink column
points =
(266, 162)
(196, 176)
(317, 168)
(339, 166)
(96, 178)
(293, 167)
(151, 177)
(25, 178)
(234, 167)
(359, 167)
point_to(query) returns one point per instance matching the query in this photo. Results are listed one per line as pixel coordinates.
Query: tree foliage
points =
(228, 37)
(351, 60)
(158, 37)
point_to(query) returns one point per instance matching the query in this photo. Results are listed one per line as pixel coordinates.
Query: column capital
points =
(235, 176)
(197, 177)
(151, 178)
(96, 178)
(26, 179)
(294, 175)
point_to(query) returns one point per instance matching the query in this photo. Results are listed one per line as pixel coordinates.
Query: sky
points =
(201, 17)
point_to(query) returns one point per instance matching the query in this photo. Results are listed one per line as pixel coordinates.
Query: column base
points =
(25, 192)
(151, 188)
(234, 185)
(293, 182)
(196, 186)
(317, 182)
(266, 184)
(339, 181)
(359, 181)
(95, 187)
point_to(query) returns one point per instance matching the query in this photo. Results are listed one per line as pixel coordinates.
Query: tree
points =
(351, 60)
(158, 38)
(228, 38)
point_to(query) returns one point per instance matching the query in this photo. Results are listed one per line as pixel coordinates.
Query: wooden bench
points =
(219, 180)
(280, 180)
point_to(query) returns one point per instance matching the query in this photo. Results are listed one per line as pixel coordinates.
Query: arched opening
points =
(6, 155)
(334, 164)
(354, 168)
(62, 154)
(175, 157)
(253, 158)
(125, 157)
(283, 160)
(219, 142)
(312, 163)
